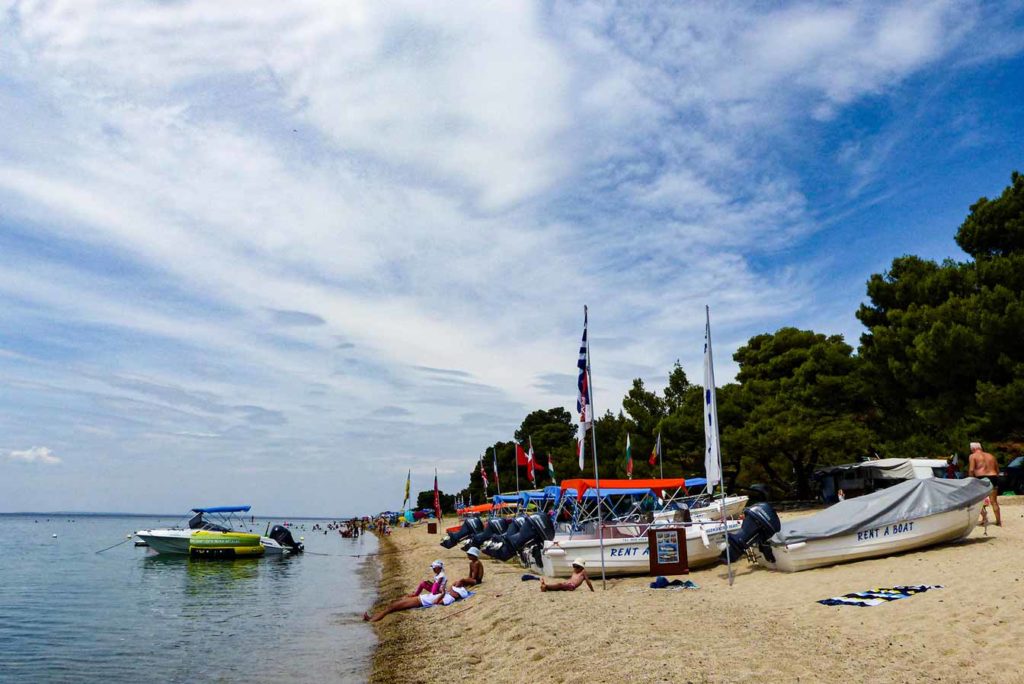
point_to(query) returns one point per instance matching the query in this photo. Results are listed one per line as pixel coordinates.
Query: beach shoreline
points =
(768, 626)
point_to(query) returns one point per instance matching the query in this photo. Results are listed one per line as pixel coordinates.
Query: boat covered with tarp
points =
(908, 515)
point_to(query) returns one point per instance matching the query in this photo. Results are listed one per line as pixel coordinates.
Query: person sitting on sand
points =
(476, 570)
(579, 576)
(983, 465)
(436, 585)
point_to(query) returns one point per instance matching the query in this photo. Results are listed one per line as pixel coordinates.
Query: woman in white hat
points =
(579, 576)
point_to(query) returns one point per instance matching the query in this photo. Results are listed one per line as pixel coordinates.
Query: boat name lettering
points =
(887, 531)
(629, 551)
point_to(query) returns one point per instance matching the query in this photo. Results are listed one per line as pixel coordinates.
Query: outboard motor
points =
(469, 526)
(760, 523)
(496, 545)
(283, 536)
(492, 529)
(536, 527)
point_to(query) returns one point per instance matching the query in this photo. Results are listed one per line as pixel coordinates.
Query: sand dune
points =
(766, 627)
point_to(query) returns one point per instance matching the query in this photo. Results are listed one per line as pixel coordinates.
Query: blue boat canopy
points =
(505, 498)
(222, 509)
(696, 482)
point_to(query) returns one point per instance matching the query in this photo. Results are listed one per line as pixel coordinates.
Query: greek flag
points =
(583, 405)
(713, 452)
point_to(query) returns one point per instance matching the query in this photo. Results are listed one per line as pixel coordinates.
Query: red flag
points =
(525, 458)
(437, 499)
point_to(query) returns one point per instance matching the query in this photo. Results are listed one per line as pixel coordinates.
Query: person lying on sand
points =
(436, 585)
(476, 570)
(405, 603)
(579, 576)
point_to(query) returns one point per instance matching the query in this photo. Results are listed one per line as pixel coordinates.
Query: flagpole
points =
(497, 479)
(517, 465)
(661, 457)
(718, 444)
(593, 447)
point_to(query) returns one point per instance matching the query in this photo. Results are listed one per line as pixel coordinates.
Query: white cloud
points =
(34, 455)
(225, 191)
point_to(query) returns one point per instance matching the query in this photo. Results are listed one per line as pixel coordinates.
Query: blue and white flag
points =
(712, 452)
(583, 405)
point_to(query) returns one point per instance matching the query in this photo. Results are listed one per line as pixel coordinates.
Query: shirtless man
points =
(476, 569)
(983, 465)
(579, 576)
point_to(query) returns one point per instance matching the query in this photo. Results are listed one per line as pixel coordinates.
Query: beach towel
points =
(873, 597)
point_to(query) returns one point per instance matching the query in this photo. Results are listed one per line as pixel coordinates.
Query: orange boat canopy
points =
(656, 485)
(483, 508)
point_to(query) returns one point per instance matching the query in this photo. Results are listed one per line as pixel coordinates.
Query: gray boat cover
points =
(905, 501)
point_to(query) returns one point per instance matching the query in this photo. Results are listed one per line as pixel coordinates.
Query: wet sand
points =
(767, 626)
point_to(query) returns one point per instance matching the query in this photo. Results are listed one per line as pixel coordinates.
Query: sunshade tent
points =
(902, 502)
(880, 469)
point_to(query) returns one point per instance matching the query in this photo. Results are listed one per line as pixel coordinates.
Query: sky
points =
(281, 253)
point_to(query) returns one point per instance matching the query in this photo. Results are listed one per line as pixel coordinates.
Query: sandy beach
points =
(767, 626)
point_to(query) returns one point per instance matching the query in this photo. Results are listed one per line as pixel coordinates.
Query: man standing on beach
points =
(579, 576)
(984, 465)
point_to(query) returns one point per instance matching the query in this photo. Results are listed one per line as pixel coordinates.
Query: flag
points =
(437, 498)
(629, 459)
(497, 480)
(533, 462)
(483, 474)
(408, 480)
(525, 459)
(713, 452)
(655, 452)
(551, 470)
(584, 406)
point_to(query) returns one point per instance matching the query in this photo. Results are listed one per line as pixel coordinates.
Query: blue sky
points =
(278, 253)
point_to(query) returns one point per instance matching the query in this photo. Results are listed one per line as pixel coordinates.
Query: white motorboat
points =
(221, 533)
(734, 505)
(910, 515)
(627, 551)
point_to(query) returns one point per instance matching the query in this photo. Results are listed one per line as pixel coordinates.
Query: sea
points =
(70, 614)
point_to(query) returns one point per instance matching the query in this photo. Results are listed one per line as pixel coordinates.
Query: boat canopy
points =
(222, 509)
(902, 502)
(656, 485)
(696, 482)
(592, 493)
(505, 498)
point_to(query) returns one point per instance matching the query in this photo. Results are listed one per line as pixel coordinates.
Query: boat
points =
(213, 532)
(627, 550)
(625, 527)
(910, 515)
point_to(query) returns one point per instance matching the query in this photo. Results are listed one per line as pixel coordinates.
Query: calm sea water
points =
(68, 614)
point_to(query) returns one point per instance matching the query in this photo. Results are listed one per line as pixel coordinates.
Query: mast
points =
(593, 447)
(711, 427)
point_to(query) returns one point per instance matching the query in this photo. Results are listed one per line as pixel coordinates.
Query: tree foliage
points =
(941, 363)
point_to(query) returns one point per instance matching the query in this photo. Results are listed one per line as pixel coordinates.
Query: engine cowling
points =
(470, 526)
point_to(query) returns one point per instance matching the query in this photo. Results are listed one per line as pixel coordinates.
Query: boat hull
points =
(179, 542)
(630, 555)
(873, 542)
